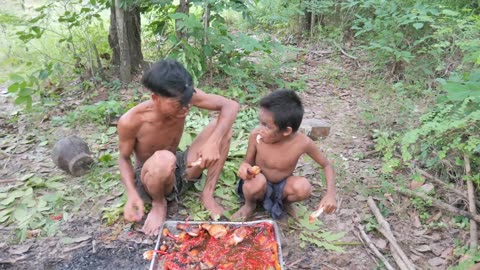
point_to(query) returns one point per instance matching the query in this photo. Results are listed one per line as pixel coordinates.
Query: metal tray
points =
(171, 226)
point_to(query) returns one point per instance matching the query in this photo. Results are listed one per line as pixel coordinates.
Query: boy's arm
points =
(127, 135)
(328, 202)
(228, 112)
(249, 156)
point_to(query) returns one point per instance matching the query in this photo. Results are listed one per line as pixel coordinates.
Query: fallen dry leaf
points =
(380, 243)
(81, 238)
(447, 253)
(415, 220)
(423, 248)
(415, 184)
(437, 261)
(33, 233)
(18, 250)
(427, 188)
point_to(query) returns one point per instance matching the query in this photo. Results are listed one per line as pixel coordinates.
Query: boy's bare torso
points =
(278, 161)
(154, 132)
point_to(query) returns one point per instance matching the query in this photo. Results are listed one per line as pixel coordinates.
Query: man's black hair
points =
(286, 107)
(168, 78)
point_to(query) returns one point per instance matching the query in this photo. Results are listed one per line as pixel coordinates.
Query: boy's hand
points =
(328, 203)
(243, 171)
(133, 210)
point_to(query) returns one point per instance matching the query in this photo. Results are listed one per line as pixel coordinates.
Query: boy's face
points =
(268, 130)
(170, 106)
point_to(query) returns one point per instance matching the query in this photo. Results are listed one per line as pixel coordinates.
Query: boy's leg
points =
(158, 178)
(296, 189)
(213, 172)
(253, 191)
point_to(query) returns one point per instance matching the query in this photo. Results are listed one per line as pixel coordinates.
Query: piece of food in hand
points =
(259, 137)
(215, 230)
(253, 171)
(195, 163)
(238, 236)
(313, 216)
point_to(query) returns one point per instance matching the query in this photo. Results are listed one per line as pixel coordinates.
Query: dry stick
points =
(387, 232)
(373, 248)
(397, 259)
(439, 204)
(445, 185)
(365, 245)
(471, 205)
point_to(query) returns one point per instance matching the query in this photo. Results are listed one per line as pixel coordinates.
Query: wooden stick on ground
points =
(471, 205)
(439, 204)
(445, 185)
(373, 248)
(387, 232)
(357, 234)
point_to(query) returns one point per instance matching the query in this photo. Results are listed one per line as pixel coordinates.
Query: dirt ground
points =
(98, 246)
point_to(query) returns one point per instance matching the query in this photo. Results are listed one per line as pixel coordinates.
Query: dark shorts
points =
(181, 183)
(273, 200)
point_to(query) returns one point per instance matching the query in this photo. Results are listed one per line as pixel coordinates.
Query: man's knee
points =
(161, 164)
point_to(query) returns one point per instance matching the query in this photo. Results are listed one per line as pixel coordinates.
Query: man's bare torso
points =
(155, 132)
(278, 161)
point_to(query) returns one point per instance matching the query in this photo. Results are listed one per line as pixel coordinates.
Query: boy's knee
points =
(256, 186)
(303, 189)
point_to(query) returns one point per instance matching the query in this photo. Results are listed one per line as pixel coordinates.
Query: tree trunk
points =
(182, 8)
(132, 28)
(134, 39)
(125, 63)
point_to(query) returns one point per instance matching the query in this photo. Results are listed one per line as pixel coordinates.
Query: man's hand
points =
(133, 210)
(210, 153)
(243, 171)
(328, 203)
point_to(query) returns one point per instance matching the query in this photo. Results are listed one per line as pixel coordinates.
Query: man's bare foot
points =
(215, 209)
(291, 209)
(155, 218)
(244, 212)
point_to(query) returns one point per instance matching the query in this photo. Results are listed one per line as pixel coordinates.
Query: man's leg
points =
(296, 189)
(213, 172)
(253, 191)
(158, 178)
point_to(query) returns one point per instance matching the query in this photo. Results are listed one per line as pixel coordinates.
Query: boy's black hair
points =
(286, 107)
(168, 78)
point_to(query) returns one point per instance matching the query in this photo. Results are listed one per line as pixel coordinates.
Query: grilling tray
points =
(253, 249)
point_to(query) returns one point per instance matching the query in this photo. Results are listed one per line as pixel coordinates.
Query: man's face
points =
(268, 130)
(170, 106)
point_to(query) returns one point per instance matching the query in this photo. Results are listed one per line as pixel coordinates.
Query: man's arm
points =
(127, 137)
(228, 112)
(328, 202)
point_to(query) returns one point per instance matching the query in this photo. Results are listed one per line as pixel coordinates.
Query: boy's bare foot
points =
(155, 218)
(244, 212)
(291, 209)
(215, 209)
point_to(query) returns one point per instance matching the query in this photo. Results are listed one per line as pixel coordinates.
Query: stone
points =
(315, 128)
(72, 155)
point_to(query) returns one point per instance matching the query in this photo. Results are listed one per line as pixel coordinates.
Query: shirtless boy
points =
(152, 131)
(275, 146)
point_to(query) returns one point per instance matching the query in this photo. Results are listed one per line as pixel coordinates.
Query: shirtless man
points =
(152, 131)
(275, 146)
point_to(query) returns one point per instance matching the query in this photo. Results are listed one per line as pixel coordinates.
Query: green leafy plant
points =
(314, 234)
(36, 204)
